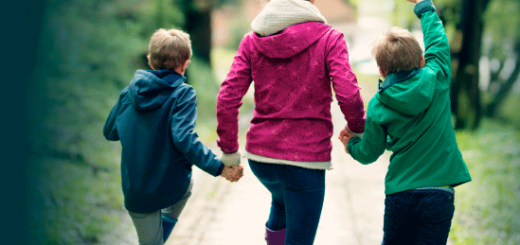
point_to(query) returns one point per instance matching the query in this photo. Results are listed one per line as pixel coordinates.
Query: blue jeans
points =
(297, 199)
(419, 216)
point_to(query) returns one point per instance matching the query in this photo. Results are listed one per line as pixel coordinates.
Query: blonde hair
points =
(169, 49)
(397, 50)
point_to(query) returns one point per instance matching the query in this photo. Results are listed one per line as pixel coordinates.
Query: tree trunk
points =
(198, 25)
(468, 109)
(492, 108)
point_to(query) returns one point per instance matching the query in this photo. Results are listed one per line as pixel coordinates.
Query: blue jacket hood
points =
(148, 90)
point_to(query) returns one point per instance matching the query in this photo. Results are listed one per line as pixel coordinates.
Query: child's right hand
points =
(232, 173)
(414, 1)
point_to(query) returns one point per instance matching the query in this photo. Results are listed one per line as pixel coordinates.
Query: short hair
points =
(397, 50)
(169, 49)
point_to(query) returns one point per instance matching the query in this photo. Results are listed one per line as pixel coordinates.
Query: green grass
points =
(488, 208)
(509, 109)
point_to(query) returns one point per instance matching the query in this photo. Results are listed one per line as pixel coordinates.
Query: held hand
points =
(344, 137)
(414, 1)
(232, 173)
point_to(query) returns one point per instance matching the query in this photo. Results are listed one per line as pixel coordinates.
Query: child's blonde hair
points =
(169, 49)
(397, 50)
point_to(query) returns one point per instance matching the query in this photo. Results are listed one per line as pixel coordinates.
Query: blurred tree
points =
(503, 29)
(465, 81)
(198, 24)
(504, 86)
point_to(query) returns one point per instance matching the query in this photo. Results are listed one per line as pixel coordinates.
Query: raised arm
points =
(230, 96)
(437, 50)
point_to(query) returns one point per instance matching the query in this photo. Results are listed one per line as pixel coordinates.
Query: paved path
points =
(224, 213)
(220, 212)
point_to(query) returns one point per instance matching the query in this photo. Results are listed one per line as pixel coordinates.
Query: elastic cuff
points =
(220, 169)
(231, 159)
(359, 135)
(422, 7)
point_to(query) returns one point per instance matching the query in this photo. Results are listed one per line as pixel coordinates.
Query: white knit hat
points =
(279, 14)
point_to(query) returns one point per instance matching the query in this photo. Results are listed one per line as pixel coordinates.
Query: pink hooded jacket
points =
(292, 73)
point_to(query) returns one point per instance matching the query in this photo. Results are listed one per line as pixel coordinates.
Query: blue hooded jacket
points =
(154, 119)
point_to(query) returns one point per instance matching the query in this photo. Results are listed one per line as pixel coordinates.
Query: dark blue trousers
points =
(297, 199)
(419, 216)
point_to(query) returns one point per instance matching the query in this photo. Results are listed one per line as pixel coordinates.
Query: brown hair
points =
(397, 50)
(169, 49)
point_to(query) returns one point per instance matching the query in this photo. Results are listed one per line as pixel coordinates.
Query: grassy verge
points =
(76, 171)
(488, 208)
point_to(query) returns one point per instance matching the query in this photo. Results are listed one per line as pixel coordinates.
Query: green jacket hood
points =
(409, 92)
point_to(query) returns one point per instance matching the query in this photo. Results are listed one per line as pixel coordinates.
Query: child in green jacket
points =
(410, 115)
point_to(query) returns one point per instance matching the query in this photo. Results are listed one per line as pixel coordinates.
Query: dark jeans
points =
(297, 199)
(418, 216)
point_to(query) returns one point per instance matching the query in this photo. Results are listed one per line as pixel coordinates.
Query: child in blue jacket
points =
(154, 119)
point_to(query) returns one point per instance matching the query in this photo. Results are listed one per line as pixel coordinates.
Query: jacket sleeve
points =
(184, 116)
(110, 129)
(372, 146)
(230, 96)
(345, 83)
(437, 50)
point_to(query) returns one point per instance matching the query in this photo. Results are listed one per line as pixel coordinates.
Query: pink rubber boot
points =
(275, 237)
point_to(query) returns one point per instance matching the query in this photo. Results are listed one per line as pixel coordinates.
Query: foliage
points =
(503, 27)
(239, 28)
(487, 208)
(352, 3)
(201, 77)
(90, 51)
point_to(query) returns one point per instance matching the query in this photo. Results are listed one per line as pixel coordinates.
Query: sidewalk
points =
(221, 213)
(224, 213)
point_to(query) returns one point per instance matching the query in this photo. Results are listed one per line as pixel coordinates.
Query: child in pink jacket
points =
(295, 60)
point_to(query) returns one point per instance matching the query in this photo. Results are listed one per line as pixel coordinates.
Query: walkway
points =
(220, 212)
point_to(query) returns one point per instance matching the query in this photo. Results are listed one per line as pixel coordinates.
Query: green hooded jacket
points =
(411, 116)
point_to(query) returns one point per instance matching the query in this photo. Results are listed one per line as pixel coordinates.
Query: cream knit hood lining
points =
(279, 14)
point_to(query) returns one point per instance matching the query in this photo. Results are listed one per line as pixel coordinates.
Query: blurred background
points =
(88, 50)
